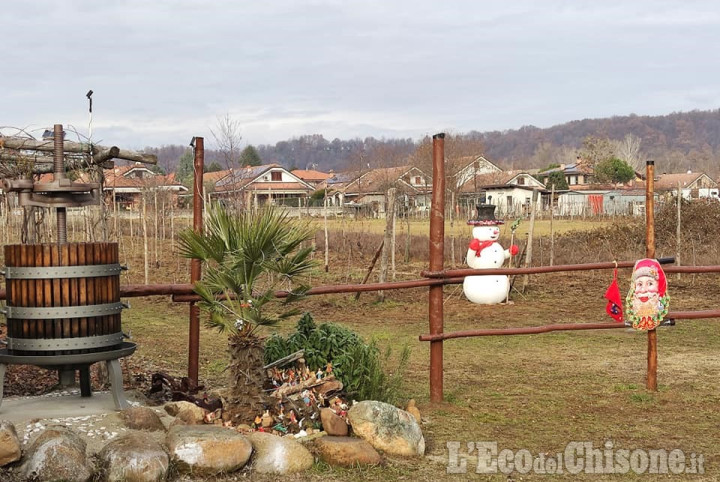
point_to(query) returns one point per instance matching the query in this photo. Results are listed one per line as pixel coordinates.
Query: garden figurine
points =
(647, 301)
(267, 419)
(484, 252)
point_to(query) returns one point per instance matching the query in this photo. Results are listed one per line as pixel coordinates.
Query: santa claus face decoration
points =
(647, 300)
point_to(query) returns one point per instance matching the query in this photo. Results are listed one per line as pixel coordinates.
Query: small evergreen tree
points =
(250, 157)
(557, 179)
(614, 170)
(185, 168)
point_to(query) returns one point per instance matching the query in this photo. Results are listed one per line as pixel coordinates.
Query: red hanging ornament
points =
(614, 305)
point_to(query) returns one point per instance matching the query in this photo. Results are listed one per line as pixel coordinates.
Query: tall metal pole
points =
(59, 174)
(437, 248)
(195, 271)
(650, 253)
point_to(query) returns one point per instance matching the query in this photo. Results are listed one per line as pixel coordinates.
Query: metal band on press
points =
(59, 272)
(48, 344)
(42, 313)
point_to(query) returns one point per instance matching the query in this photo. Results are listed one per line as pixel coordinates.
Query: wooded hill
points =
(677, 142)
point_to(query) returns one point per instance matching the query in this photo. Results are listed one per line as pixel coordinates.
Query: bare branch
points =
(23, 144)
(227, 137)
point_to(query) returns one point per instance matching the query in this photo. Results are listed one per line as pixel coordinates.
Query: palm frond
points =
(247, 255)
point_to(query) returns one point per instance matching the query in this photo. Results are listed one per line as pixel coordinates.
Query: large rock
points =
(208, 449)
(346, 451)
(142, 418)
(277, 455)
(134, 458)
(332, 423)
(387, 428)
(188, 412)
(9, 443)
(57, 454)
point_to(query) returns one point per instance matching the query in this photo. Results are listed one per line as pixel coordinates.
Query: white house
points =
(510, 191)
(270, 183)
(473, 167)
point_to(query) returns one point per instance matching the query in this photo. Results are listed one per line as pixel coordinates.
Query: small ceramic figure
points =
(267, 419)
(307, 397)
(319, 374)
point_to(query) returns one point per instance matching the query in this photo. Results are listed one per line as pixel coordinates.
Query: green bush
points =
(359, 365)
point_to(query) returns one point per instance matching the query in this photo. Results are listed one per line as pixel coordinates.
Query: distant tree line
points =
(676, 142)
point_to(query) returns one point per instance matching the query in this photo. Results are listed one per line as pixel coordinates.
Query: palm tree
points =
(248, 257)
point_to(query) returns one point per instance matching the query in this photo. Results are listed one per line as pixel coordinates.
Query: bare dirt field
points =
(536, 392)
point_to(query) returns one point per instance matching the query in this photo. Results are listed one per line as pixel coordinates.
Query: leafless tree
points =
(628, 149)
(227, 137)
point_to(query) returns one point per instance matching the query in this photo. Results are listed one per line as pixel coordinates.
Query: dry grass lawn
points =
(535, 392)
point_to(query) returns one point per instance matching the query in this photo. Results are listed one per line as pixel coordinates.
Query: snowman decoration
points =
(485, 252)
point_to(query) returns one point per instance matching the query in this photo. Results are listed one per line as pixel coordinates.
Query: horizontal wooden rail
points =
(354, 288)
(451, 273)
(183, 293)
(533, 330)
(133, 291)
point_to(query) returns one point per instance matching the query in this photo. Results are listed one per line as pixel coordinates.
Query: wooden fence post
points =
(437, 248)
(650, 253)
(528, 252)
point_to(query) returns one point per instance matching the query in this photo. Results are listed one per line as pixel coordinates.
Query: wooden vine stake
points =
(650, 253)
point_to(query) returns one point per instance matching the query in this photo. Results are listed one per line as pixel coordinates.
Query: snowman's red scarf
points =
(477, 245)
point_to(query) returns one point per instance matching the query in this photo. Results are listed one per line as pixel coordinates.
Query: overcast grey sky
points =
(164, 71)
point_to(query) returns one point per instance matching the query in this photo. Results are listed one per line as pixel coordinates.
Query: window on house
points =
(521, 181)
(418, 180)
(573, 180)
(276, 176)
(509, 201)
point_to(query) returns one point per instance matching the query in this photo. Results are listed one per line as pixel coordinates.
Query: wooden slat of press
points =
(100, 292)
(47, 293)
(39, 291)
(82, 288)
(91, 296)
(24, 292)
(65, 290)
(10, 287)
(117, 328)
(74, 292)
(56, 291)
(109, 291)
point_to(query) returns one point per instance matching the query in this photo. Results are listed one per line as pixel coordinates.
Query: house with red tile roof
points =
(368, 189)
(693, 184)
(258, 185)
(125, 185)
(213, 177)
(312, 177)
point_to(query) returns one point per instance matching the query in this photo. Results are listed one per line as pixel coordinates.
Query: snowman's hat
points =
(485, 216)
